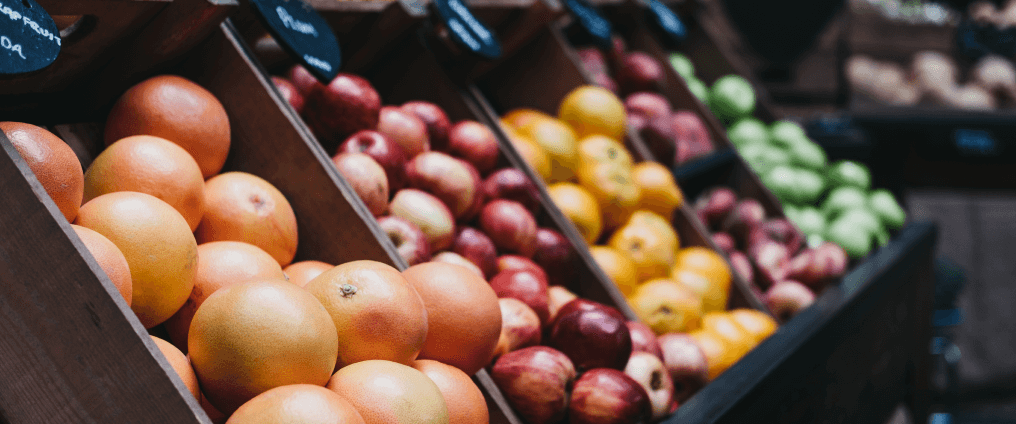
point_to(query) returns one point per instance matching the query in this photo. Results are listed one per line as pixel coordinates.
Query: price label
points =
(593, 23)
(29, 40)
(303, 33)
(466, 30)
(667, 22)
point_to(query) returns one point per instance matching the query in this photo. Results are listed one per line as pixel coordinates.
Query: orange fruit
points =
(109, 258)
(377, 314)
(158, 245)
(52, 161)
(739, 340)
(532, 153)
(243, 207)
(248, 338)
(579, 207)
(709, 264)
(518, 118)
(300, 273)
(177, 110)
(614, 190)
(759, 324)
(719, 356)
(386, 392)
(559, 142)
(658, 190)
(714, 297)
(180, 364)
(602, 150)
(463, 315)
(149, 165)
(650, 241)
(220, 264)
(666, 306)
(618, 266)
(297, 404)
(593, 110)
(465, 401)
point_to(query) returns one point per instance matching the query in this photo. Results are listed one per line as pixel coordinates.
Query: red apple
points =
(367, 178)
(782, 231)
(346, 105)
(659, 137)
(686, 363)
(554, 254)
(405, 129)
(385, 152)
(742, 266)
(647, 104)
(714, 207)
(605, 81)
(437, 122)
(746, 216)
(817, 267)
(289, 92)
(608, 396)
(512, 184)
(580, 304)
(457, 259)
(508, 262)
(771, 259)
(475, 143)
(640, 72)
(520, 327)
(557, 297)
(592, 338)
(474, 245)
(428, 213)
(535, 380)
(643, 339)
(725, 242)
(510, 226)
(525, 286)
(592, 60)
(449, 179)
(649, 371)
(302, 79)
(408, 239)
(786, 298)
(690, 131)
(835, 258)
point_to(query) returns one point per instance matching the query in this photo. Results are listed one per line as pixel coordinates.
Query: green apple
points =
(782, 180)
(814, 240)
(808, 154)
(884, 205)
(682, 65)
(699, 89)
(882, 237)
(766, 158)
(810, 221)
(843, 198)
(862, 219)
(844, 233)
(786, 133)
(748, 131)
(792, 212)
(810, 185)
(731, 98)
(850, 173)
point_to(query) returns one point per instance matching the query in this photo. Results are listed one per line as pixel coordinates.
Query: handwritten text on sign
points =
(9, 45)
(15, 16)
(294, 24)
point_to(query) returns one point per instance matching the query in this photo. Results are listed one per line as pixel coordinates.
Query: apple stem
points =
(656, 382)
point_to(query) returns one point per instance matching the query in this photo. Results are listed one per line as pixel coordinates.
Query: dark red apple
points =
(580, 304)
(608, 396)
(346, 105)
(289, 92)
(643, 339)
(659, 137)
(554, 254)
(742, 265)
(647, 104)
(474, 142)
(782, 231)
(475, 246)
(302, 79)
(746, 216)
(725, 242)
(508, 262)
(437, 122)
(640, 72)
(787, 298)
(405, 129)
(686, 363)
(525, 286)
(536, 381)
(817, 267)
(557, 297)
(520, 327)
(408, 239)
(447, 178)
(690, 131)
(771, 259)
(385, 152)
(714, 207)
(426, 212)
(512, 184)
(510, 226)
(648, 370)
(835, 258)
(367, 178)
(592, 338)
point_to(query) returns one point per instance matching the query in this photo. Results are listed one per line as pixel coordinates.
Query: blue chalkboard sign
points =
(467, 31)
(303, 33)
(592, 22)
(29, 40)
(667, 22)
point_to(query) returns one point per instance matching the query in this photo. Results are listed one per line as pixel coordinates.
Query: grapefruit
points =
(463, 316)
(300, 273)
(243, 207)
(593, 110)
(150, 165)
(158, 245)
(220, 264)
(180, 364)
(297, 404)
(177, 110)
(110, 259)
(386, 392)
(465, 401)
(52, 161)
(377, 314)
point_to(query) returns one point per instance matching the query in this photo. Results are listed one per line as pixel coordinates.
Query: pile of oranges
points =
(624, 210)
(207, 258)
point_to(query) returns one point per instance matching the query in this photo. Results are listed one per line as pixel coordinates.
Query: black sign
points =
(467, 31)
(302, 33)
(590, 20)
(29, 40)
(667, 22)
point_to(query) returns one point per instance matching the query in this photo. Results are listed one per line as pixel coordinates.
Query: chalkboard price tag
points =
(667, 22)
(29, 40)
(303, 33)
(466, 30)
(592, 22)
(975, 142)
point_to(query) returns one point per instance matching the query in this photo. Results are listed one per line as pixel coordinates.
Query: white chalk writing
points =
(9, 45)
(317, 62)
(292, 23)
(15, 16)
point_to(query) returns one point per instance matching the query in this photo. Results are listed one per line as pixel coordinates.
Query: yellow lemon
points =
(737, 338)
(657, 189)
(593, 110)
(598, 149)
(650, 241)
(580, 207)
(714, 296)
(666, 307)
(618, 266)
(560, 144)
(757, 323)
(614, 190)
(518, 118)
(719, 356)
